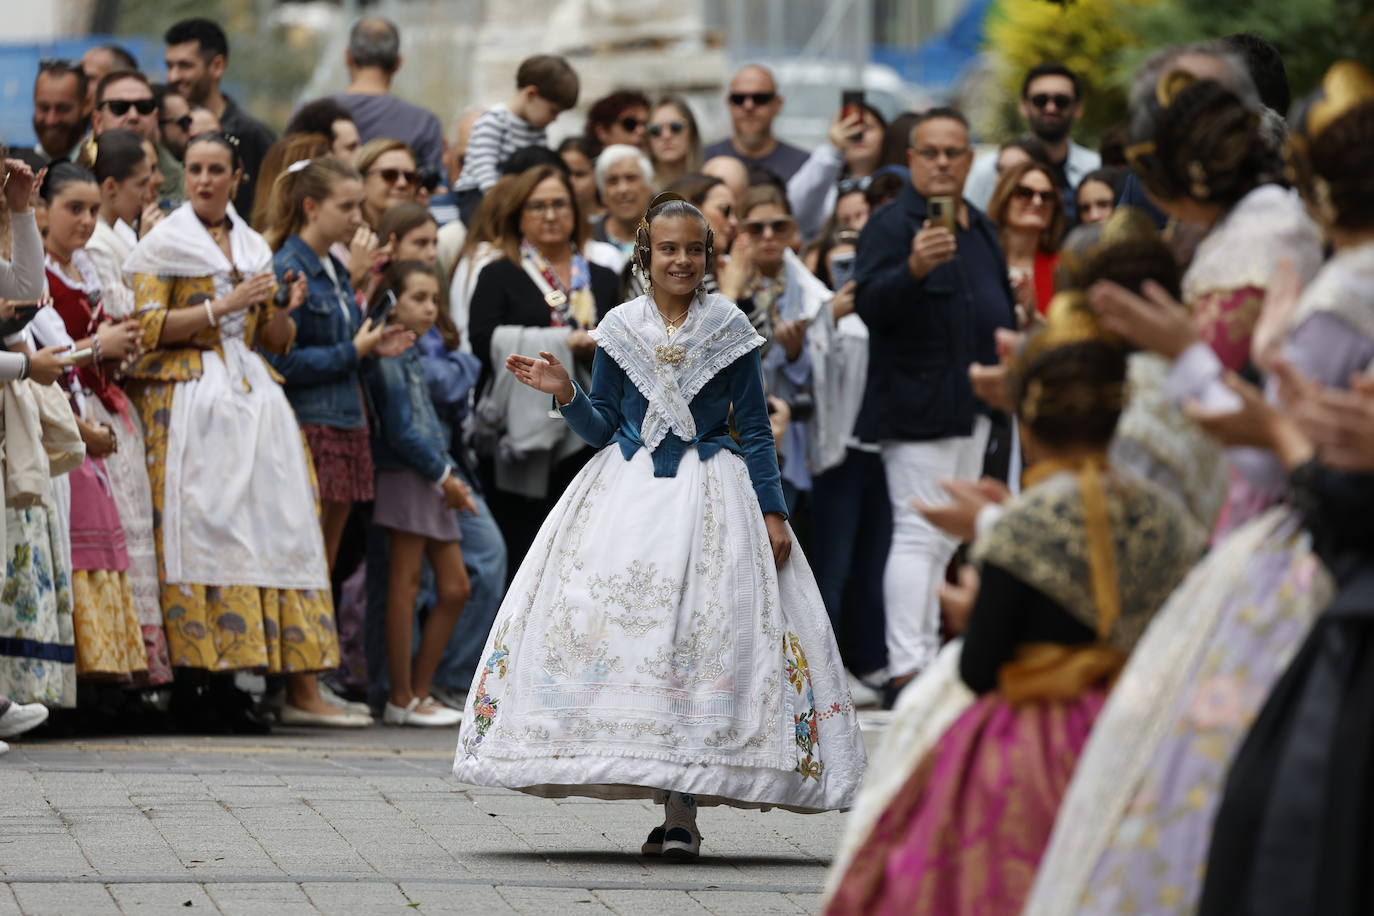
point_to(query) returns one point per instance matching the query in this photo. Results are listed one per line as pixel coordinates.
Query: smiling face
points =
(719, 209)
(71, 217)
(546, 220)
(59, 112)
(1095, 202)
(626, 192)
(125, 199)
(417, 305)
(126, 96)
(381, 192)
(210, 179)
(1033, 202)
(677, 255)
(191, 73)
(340, 214)
(419, 244)
(670, 136)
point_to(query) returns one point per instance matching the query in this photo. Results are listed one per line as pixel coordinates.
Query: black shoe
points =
(653, 846)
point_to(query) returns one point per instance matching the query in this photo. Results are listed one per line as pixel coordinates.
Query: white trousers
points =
(920, 552)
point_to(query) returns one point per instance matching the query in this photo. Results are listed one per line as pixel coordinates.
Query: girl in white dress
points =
(664, 637)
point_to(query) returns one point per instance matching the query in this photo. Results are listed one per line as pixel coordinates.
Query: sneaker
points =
(451, 697)
(653, 846)
(21, 717)
(681, 844)
(4, 748)
(424, 713)
(863, 696)
(333, 699)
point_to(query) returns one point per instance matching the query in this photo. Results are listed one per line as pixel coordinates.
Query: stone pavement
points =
(369, 821)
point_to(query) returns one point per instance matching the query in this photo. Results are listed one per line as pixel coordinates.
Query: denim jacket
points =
(408, 434)
(321, 371)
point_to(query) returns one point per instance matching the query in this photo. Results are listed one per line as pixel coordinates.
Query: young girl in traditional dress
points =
(664, 638)
(417, 487)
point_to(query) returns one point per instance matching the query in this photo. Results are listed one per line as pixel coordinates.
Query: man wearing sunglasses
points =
(933, 299)
(124, 100)
(173, 119)
(754, 103)
(1051, 101)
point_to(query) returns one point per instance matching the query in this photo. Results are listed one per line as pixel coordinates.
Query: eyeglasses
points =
(672, 127)
(391, 176)
(933, 153)
(630, 125)
(548, 207)
(1060, 100)
(184, 122)
(1021, 192)
(759, 99)
(778, 227)
(120, 107)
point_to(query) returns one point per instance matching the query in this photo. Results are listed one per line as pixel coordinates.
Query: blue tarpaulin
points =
(939, 62)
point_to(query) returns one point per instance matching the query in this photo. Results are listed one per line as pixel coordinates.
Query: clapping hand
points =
(545, 374)
(958, 516)
(1156, 321)
(20, 182)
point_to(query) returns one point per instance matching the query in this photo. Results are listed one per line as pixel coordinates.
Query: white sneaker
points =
(864, 696)
(333, 699)
(21, 717)
(424, 713)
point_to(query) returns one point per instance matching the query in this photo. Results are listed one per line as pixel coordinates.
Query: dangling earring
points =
(1197, 175)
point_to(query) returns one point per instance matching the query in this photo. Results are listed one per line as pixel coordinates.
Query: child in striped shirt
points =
(546, 85)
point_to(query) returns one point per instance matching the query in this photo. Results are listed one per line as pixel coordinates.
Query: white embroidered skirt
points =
(649, 643)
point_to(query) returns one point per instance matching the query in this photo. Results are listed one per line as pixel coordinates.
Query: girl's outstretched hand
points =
(545, 374)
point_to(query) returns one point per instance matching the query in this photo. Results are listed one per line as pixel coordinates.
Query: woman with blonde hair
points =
(290, 148)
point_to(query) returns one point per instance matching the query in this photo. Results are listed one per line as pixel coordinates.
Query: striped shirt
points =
(495, 135)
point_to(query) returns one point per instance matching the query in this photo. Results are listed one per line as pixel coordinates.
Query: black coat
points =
(923, 335)
(505, 294)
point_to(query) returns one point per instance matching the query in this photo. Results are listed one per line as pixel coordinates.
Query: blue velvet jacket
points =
(614, 412)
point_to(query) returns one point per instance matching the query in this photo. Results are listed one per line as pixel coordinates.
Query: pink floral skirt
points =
(343, 462)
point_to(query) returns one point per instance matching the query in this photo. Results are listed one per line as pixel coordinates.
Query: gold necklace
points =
(671, 323)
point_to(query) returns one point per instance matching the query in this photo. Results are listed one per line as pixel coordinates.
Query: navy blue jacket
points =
(923, 335)
(614, 412)
(321, 369)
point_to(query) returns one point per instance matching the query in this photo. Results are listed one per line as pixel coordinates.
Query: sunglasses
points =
(1021, 192)
(120, 107)
(184, 122)
(672, 127)
(759, 99)
(391, 176)
(778, 227)
(1060, 100)
(630, 125)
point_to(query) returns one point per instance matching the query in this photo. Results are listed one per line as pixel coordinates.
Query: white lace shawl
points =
(180, 246)
(1345, 288)
(715, 334)
(1246, 245)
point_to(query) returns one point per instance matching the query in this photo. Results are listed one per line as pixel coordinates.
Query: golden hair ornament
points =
(1171, 84)
(1346, 85)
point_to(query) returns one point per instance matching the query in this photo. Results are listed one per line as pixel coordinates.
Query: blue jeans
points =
(484, 555)
(851, 536)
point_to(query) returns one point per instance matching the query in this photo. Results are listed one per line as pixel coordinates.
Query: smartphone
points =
(282, 297)
(943, 211)
(23, 314)
(76, 356)
(841, 270)
(381, 309)
(851, 104)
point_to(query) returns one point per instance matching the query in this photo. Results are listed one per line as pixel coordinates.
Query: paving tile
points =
(64, 899)
(162, 899)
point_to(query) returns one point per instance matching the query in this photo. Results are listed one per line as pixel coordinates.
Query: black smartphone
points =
(381, 309)
(851, 104)
(23, 314)
(282, 297)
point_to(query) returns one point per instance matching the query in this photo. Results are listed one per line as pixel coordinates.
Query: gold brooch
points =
(670, 355)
